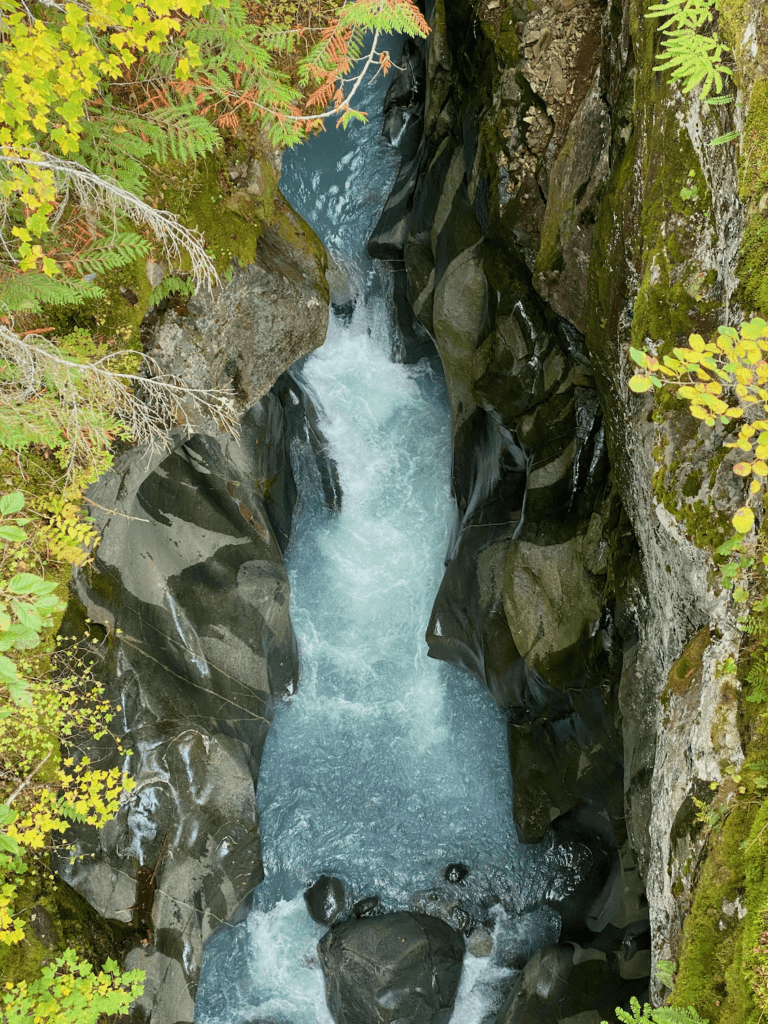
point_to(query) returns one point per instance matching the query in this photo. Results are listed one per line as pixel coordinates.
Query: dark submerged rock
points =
(456, 872)
(366, 907)
(325, 899)
(395, 969)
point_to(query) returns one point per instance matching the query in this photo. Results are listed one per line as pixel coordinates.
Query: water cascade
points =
(386, 766)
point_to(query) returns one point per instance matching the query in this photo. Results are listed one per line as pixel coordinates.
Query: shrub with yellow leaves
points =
(43, 709)
(721, 380)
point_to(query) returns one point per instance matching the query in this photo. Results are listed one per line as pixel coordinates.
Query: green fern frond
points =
(722, 139)
(119, 250)
(693, 58)
(31, 290)
(660, 1015)
(171, 285)
(681, 14)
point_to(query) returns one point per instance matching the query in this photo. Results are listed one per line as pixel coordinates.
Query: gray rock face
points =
(579, 152)
(575, 189)
(395, 969)
(552, 602)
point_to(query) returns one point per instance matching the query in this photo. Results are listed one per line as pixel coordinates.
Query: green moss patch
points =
(708, 976)
(204, 198)
(753, 166)
(687, 669)
(57, 918)
(753, 265)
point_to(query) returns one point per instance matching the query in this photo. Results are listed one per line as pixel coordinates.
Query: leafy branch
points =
(722, 381)
(692, 56)
(27, 601)
(99, 195)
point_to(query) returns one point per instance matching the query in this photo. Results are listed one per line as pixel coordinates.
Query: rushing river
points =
(386, 765)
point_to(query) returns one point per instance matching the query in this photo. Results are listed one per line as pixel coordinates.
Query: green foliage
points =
(79, 407)
(660, 1015)
(69, 991)
(689, 55)
(119, 142)
(695, 59)
(27, 601)
(171, 285)
(181, 75)
(41, 792)
(665, 972)
(29, 290)
(755, 626)
(690, 191)
(711, 817)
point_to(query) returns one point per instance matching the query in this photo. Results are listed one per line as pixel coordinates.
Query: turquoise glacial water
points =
(385, 766)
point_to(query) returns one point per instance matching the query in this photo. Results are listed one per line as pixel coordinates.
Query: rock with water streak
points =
(325, 899)
(395, 969)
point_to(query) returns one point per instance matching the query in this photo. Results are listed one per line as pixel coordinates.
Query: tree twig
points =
(26, 781)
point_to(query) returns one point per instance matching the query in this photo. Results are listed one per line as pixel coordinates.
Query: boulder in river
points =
(366, 907)
(402, 968)
(325, 899)
(456, 872)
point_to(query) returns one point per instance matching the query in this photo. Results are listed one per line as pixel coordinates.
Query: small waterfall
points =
(386, 766)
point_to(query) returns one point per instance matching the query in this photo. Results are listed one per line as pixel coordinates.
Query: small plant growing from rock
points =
(690, 55)
(691, 190)
(660, 1015)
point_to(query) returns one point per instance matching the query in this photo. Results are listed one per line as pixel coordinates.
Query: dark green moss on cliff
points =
(753, 262)
(57, 918)
(708, 976)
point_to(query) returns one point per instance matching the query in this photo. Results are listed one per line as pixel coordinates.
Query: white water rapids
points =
(386, 765)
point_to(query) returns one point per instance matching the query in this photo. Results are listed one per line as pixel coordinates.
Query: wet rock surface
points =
(395, 969)
(326, 899)
(566, 983)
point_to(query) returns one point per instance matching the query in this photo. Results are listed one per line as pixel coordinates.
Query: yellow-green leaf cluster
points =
(69, 991)
(52, 64)
(721, 380)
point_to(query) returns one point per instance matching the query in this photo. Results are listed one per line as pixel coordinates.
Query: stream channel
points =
(385, 766)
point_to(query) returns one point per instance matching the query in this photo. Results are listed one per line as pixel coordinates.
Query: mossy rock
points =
(686, 671)
(203, 197)
(57, 918)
